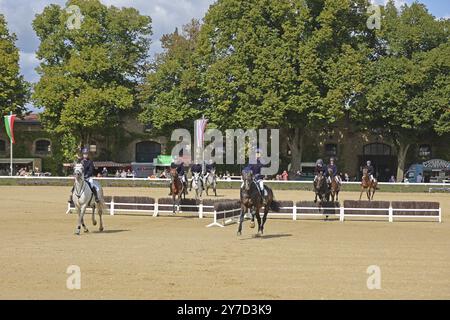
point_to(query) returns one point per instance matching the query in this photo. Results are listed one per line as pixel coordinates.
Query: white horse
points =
(197, 185)
(83, 198)
(211, 182)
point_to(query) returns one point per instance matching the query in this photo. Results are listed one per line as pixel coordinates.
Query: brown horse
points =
(177, 189)
(251, 199)
(369, 186)
(321, 187)
(335, 186)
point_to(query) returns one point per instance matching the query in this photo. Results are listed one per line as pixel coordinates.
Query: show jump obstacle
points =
(225, 212)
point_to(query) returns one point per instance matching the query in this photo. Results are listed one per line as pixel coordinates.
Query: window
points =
(331, 149)
(146, 151)
(424, 151)
(377, 149)
(2, 146)
(42, 146)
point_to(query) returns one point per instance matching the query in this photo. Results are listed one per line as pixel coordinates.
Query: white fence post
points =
(111, 207)
(200, 210)
(294, 212)
(391, 213)
(440, 214)
(68, 208)
(341, 214)
(155, 208)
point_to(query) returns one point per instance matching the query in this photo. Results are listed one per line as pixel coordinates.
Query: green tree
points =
(90, 75)
(171, 94)
(408, 84)
(283, 64)
(14, 91)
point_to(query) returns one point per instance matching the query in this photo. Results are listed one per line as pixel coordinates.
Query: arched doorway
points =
(382, 158)
(146, 151)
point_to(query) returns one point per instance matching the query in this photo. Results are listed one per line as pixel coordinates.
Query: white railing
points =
(444, 184)
(294, 211)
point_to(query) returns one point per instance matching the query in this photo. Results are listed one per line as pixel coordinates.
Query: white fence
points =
(294, 212)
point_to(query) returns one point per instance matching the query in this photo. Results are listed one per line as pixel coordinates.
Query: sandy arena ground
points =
(141, 257)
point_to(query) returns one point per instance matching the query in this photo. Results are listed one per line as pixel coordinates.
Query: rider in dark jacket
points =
(196, 168)
(256, 168)
(319, 168)
(88, 171)
(370, 169)
(334, 169)
(179, 165)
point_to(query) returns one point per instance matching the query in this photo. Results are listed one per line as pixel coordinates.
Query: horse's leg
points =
(315, 199)
(360, 195)
(83, 211)
(173, 202)
(373, 191)
(93, 215)
(258, 218)
(266, 212)
(241, 219)
(100, 216)
(368, 193)
(252, 221)
(78, 229)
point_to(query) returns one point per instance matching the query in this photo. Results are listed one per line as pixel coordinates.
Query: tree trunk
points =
(295, 143)
(402, 151)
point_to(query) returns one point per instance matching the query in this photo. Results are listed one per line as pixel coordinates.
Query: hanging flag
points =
(200, 126)
(9, 124)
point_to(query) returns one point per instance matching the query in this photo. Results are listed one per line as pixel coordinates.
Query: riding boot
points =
(94, 191)
(170, 191)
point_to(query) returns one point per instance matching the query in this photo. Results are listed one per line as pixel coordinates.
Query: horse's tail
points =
(275, 206)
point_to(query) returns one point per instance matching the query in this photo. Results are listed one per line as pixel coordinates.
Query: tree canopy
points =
(14, 90)
(89, 76)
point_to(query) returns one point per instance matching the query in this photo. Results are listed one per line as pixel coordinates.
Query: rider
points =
(256, 170)
(333, 167)
(210, 166)
(370, 170)
(179, 165)
(319, 168)
(88, 170)
(196, 168)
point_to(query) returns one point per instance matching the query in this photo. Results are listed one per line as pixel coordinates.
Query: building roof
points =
(32, 118)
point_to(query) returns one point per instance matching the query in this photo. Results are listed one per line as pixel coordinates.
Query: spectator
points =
(392, 179)
(419, 178)
(117, 174)
(105, 172)
(123, 174)
(346, 177)
(285, 175)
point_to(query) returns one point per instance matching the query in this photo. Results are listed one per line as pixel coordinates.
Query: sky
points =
(166, 16)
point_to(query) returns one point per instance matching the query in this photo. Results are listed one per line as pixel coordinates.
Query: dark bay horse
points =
(321, 188)
(251, 199)
(177, 188)
(369, 186)
(335, 186)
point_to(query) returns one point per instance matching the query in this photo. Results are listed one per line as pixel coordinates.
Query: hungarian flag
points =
(9, 124)
(200, 126)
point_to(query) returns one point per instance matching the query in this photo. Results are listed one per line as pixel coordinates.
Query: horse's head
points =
(365, 172)
(247, 177)
(173, 172)
(196, 176)
(318, 183)
(213, 171)
(78, 170)
(330, 171)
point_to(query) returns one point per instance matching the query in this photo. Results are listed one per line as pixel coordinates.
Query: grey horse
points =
(83, 198)
(197, 185)
(211, 182)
